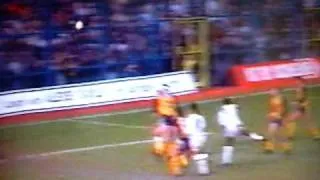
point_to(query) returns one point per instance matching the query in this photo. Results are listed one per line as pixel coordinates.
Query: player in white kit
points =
(195, 129)
(229, 119)
(195, 126)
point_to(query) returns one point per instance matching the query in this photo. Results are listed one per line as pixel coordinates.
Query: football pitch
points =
(117, 146)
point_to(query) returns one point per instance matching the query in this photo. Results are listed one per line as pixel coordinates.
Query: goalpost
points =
(191, 50)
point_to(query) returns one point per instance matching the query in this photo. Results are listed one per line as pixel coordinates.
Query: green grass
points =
(135, 161)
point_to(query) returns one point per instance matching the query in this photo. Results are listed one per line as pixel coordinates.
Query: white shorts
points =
(231, 132)
(197, 142)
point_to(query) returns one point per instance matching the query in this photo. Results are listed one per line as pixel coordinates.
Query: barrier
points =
(243, 87)
(276, 73)
(93, 94)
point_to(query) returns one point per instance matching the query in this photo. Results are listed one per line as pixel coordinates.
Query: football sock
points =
(315, 133)
(173, 159)
(158, 145)
(227, 154)
(291, 129)
(174, 165)
(184, 160)
(286, 147)
(268, 146)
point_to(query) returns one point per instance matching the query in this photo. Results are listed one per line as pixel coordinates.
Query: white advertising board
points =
(93, 94)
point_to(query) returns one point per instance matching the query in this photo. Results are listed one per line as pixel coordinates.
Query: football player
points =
(229, 119)
(165, 109)
(185, 151)
(195, 128)
(301, 111)
(277, 112)
(171, 136)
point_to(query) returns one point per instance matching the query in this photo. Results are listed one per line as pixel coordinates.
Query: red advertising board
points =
(277, 73)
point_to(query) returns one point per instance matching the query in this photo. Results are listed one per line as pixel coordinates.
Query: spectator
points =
(129, 67)
(97, 21)
(261, 40)
(35, 74)
(243, 42)
(179, 8)
(89, 65)
(166, 46)
(112, 66)
(16, 68)
(311, 3)
(6, 76)
(83, 10)
(147, 14)
(70, 69)
(152, 64)
(65, 65)
(61, 19)
(213, 7)
(118, 14)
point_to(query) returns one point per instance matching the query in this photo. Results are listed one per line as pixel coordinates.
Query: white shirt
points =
(212, 7)
(182, 124)
(228, 116)
(195, 124)
(179, 8)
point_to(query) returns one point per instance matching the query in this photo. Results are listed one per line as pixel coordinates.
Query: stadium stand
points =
(39, 45)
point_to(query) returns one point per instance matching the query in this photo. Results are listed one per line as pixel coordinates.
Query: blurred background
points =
(40, 46)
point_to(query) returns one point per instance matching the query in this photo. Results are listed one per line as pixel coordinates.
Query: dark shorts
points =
(301, 110)
(185, 146)
(170, 120)
(278, 122)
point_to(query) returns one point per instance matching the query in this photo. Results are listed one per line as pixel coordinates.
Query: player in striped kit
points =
(165, 109)
(167, 132)
(301, 111)
(277, 119)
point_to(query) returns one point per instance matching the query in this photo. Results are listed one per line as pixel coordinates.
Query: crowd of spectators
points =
(39, 45)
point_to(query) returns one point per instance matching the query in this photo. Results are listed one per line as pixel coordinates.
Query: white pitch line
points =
(122, 125)
(135, 110)
(75, 150)
(110, 124)
(90, 148)
(84, 149)
(76, 118)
